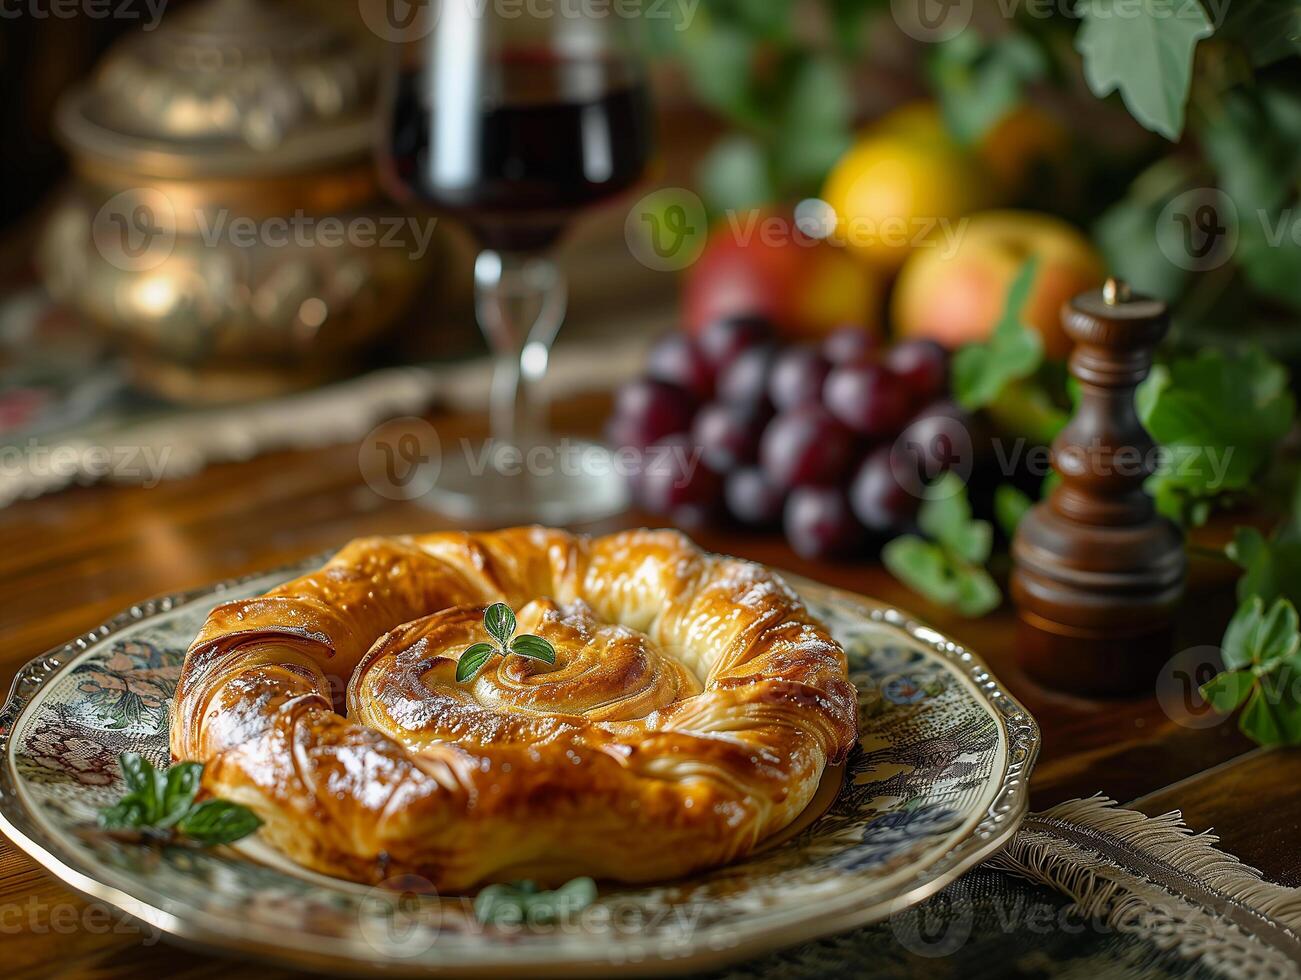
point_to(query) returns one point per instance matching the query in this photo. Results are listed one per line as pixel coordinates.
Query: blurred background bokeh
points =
(884, 203)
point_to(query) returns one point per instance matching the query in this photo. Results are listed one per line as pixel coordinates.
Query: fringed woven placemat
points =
(1154, 876)
(1086, 890)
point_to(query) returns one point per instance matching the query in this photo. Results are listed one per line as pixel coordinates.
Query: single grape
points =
(744, 382)
(678, 360)
(850, 345)
(752, 499)
(646, 411)
(879, 500)
(819, 523)
(805, 446)
(868, 398)
(722, 340)
(797, 378)
(727, 436)
(674, 476)
(922, 365)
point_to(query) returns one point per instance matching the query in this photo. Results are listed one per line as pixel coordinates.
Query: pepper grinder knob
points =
(1097, 573)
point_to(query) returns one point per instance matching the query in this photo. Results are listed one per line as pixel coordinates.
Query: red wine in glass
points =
(513, 124)
(545, 136)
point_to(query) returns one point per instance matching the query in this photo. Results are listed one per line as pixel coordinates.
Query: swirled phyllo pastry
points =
(653, 710)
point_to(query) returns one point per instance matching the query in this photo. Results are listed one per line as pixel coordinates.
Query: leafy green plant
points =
(523, 901)
(1219, 419)
(1144, 51)
(499, 621)
(948, 568)
(1262, 660)
(161, 805)
(1013, 351)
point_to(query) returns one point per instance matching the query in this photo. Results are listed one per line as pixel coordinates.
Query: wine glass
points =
(513, 124)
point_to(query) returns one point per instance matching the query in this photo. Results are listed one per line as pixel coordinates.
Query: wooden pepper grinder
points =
(1097, 573)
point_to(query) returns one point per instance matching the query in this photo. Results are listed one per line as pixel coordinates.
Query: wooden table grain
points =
(68, 562)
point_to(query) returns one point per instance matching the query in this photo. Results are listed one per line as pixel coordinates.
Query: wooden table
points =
(69, 562)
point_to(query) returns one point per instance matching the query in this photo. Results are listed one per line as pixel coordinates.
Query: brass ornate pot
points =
(225, 224)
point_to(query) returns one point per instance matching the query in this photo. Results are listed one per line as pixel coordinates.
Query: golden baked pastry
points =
(690, 712)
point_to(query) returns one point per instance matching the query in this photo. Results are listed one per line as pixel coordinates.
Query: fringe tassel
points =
(1080, 848)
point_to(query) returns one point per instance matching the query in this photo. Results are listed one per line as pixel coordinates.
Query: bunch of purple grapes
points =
(730, 424)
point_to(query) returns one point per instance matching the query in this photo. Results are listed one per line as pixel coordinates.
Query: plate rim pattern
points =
(1008, 807)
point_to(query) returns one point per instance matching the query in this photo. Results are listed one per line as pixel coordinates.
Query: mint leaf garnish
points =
(499, 621)
(521, 901)
(162, 802)
(533, 646)
(473, 659)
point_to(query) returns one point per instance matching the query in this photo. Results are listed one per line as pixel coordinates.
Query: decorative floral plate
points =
(937, 783)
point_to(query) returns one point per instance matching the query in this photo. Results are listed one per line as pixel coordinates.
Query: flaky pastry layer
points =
(692, 708)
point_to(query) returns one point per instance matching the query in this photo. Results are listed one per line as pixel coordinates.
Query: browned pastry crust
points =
(691, 710)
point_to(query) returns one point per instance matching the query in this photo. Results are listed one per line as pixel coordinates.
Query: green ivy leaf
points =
(979, 81)
(1272, 567)
(1219, 418)
(1010, 505)
(216, 822)
(927, 568)
(733, 175)
(522, 901)
(1144, 50)
(948, 570)
(534, 647)
(1252, 136)
(945, 516)
(1013, 351)
(499, 621)
(473, 659)
(816, 117)
(1269, 30)
(1132, 236)
(1224, 692)
(1261, 638)
(717, 58)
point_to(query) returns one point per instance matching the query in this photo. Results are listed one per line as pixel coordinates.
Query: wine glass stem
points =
(520, 303)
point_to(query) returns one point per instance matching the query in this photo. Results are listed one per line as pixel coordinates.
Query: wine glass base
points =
(566, 483)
